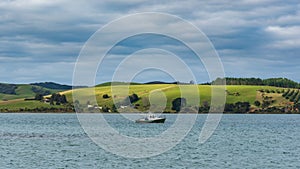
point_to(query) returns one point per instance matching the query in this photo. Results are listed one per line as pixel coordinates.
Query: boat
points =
(151, 118)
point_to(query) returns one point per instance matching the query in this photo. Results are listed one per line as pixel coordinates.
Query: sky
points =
(40, 40)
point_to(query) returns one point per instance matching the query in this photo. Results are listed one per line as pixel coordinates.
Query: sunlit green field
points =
(158, 94)
(18, 104)
(170, 92)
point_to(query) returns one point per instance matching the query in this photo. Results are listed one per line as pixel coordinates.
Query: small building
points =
(46, 100)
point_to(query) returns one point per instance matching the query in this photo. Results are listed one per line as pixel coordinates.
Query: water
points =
(240, 141)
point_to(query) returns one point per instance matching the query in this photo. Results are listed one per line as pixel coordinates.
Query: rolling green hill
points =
(234, 94)
(146, 92)
(21, 91)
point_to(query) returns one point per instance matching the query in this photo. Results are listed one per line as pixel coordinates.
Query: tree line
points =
(277, 82)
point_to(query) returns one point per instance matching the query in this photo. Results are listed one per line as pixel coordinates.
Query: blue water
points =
(240, 141)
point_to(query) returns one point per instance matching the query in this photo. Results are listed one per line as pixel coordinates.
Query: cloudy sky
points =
(40, 40)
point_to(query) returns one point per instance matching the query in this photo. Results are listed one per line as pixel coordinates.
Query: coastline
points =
(28, 112)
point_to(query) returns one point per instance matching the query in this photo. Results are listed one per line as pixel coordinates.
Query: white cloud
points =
(284, 37)
(285, 32)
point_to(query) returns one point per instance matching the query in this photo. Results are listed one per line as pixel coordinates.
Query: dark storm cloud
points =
(253, 38)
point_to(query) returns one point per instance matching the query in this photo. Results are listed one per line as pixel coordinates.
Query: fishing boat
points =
(151, 118)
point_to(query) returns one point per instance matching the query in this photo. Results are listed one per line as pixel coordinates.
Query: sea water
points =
(240, 141)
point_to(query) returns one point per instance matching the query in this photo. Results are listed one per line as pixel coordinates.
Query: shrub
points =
(178, 103)
(257, 103)
(105, 96)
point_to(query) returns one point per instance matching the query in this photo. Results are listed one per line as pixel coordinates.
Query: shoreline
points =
(140, 113)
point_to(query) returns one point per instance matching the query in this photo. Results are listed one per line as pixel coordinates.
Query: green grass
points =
(21, 104)
(156, 93)
(247, 93)
(23, 91)
(172, 91)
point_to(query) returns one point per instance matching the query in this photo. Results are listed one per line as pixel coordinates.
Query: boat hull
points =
(161, 120)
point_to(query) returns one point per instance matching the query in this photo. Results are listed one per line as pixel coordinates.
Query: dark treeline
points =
(51, 85)
(238, 107)
(8, 88)
(277, 82)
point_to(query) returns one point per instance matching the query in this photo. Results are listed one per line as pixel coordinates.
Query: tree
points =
(105, 109)
(238, 107)
(105, 96)
(133, 98)
(242, 107)
(130, 99)
(63, 99)
(291, 93)
(178, 103)
(40, 90)
(114, 108)
(286, 93)
(297, 106)
(77, 105)
(205, 107)
(58, 99)
(257, 103)
(229, 107)
(51, 101)
(265, 104)
(38, 97)
(76, 102)
(297, 99)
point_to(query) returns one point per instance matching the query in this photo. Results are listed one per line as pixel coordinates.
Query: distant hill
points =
(52, 85)
(160, 82)
(135, 83)
(18, 91)
(116, 83)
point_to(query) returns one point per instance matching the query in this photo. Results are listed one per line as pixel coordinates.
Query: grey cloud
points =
(49, 32)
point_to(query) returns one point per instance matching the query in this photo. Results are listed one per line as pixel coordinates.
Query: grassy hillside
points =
(18, 104)
(234, 93)
(24, 91)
